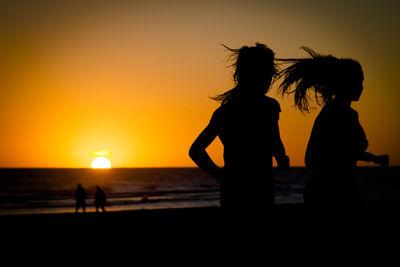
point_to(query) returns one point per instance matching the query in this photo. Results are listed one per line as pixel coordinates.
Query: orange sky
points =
(134, 77)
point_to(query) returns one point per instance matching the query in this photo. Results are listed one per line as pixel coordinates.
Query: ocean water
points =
(31, 191)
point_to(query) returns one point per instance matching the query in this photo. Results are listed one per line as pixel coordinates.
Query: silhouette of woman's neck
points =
(342, 101)
(252, 90)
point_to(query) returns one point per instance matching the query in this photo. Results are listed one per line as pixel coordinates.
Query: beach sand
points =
(213, 219)
(201, 233)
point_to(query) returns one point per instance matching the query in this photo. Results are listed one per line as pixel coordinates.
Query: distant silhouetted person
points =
(100, 199)
(337, 139)
(80, 198)
(247, 125)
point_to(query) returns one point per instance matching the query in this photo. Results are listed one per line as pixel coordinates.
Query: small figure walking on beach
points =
(100, 199)
(337, 138)
(80, 199)
(247, 125)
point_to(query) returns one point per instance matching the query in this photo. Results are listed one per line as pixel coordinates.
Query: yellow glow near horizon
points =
(102, 153)
(101, 163)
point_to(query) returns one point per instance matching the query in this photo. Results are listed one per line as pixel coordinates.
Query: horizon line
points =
(157, 167)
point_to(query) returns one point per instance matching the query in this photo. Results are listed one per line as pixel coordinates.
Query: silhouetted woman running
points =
(337, 139)
(247, 125)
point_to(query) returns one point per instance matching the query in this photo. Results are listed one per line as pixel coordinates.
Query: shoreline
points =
(288, 209)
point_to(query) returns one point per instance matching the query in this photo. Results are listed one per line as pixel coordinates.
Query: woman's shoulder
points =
(217, 113)
(332, 112)
(273, 103)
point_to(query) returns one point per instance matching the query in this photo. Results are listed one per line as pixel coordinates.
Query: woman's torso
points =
(336, 141)
(245, 128)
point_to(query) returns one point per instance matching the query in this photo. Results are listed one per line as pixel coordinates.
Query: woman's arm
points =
(382, 160)
(279, 150)
(199, 155)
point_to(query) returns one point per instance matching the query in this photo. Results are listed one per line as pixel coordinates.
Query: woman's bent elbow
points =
(193, 152)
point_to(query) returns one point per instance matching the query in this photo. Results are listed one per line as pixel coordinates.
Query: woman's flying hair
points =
(245, 59)
(322, 73)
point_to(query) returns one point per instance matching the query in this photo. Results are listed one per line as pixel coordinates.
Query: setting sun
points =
(101, 163)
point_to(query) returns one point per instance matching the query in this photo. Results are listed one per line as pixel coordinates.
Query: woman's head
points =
(254, 71)
(255, 67)
(352, 77)
(328, 76)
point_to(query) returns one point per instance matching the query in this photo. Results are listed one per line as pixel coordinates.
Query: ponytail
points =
(318, 73)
